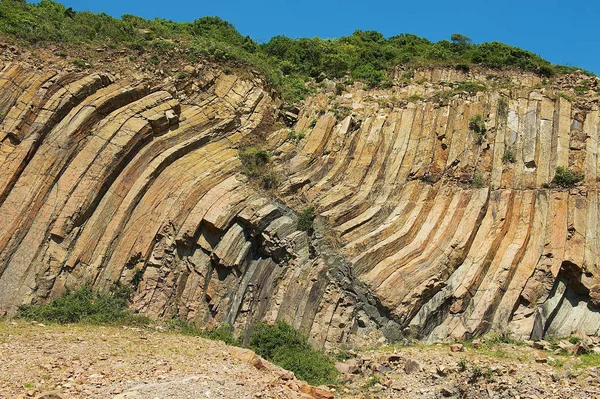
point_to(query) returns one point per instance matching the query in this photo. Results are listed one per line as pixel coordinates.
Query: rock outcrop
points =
(451, 235)
(425, 227)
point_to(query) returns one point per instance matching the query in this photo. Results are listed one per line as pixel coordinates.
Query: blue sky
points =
(562, 31)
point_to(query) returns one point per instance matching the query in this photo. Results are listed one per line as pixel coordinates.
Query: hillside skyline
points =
(546, 28)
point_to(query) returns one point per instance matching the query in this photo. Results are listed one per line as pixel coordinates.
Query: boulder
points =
(457, 348)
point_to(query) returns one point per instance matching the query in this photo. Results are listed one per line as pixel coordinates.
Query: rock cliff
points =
(426, 226)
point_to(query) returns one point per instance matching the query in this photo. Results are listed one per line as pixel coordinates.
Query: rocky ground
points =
(123, 362)
(126, 362)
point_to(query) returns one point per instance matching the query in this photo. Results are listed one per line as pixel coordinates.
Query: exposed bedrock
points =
(108, 179)
(397, 182)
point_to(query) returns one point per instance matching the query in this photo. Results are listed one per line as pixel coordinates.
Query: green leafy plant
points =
(509, 156)
(477, 180)
(256, 164)
(469, 87)
(305, 219)
(503, 109)
(153, 59)
(289, 348)
(413, 98)
(477, 125)
(566, 97)
(85, 306)
(574, 340)
(296, 136)
(566, 178)
(79, 63)
(476, 372)
(372, 381)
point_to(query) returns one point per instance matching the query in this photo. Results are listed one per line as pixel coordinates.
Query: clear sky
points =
(562, 31)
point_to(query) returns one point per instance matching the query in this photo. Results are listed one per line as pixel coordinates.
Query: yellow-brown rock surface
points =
(107, 178)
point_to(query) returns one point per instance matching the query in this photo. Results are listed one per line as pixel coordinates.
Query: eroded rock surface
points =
(109, 178)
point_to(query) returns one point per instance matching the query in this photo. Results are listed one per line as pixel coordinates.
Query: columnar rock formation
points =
(443, 257)
(109, 179)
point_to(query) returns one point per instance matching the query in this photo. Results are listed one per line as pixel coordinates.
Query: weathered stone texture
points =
(106, 180)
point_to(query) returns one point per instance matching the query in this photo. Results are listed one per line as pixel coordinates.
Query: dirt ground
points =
(79, 361)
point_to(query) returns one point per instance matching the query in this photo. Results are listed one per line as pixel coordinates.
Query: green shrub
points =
(502, 109)
(85, 306)
(296, 136)
(477, 180)
(254, 160)
(413, 98)
(566, 178)
(368, 74)
(509, 156)
(574, 340)
(80, 63)
(306, 219)
(372, 381)
(469, 87)
(477, 125)
(476, 372)
(566, 97)
(257, 165)
(288, 348)
(270, 179)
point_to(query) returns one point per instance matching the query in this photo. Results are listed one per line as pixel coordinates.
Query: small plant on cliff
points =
(509, 156)
(85, 306)
(477, 180)
(289, 348)
(477, 124)
(565, 96)
(306, 219)
(257, 165)
(296, 136)
(469, 87)
(503, 109)
(566, 178)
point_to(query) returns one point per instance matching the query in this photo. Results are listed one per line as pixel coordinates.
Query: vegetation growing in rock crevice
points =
(286, 63)
(477, 125)
(306, 219)
(509, 156)
(477, 180)
(258, 166)
(566, 178)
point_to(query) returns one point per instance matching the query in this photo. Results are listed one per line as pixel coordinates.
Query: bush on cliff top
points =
(285, 62)
(85, 306)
